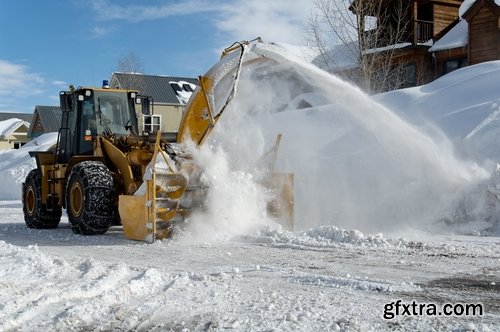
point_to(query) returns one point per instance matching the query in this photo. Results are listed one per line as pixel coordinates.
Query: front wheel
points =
(90, 198)
(35, 212)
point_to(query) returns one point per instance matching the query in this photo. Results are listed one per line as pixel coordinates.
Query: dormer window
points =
(187, 87)
(176, 87)
(183, 90)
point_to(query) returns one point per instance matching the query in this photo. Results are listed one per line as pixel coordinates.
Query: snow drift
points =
(464, 105)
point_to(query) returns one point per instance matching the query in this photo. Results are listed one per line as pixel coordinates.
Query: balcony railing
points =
(423, 31)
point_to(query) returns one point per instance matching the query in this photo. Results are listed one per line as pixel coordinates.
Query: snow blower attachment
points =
(103, 171)
(150, 213)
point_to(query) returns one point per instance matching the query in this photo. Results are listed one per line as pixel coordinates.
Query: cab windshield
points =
(114, 112)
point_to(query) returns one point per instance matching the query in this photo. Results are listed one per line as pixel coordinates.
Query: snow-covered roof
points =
(456, 37)
(8, 127)
(339, 57)
(387, 48)
(305, 53)
(464, 7)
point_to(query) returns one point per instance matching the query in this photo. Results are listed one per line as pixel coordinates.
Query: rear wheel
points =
(90, 198)
(36, 214)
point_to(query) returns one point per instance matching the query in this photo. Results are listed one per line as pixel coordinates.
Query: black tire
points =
(36, 214)
(90, 198)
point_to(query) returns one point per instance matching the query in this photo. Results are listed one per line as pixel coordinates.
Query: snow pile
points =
(465, 107)
(463, 104)
(15, 164)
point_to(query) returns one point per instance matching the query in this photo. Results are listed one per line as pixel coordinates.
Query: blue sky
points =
(47, 45)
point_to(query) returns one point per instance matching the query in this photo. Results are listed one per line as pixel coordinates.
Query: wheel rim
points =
(76, 199)
(30, 200)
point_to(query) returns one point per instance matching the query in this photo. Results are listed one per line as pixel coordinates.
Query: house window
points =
(410, 74)
(175, 86)
(17, 145)
(453, 64)
(187, 87)
(152, 123)
(399, 77)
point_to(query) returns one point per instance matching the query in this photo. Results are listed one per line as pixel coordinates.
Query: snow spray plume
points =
(356, 163)
(235, 204)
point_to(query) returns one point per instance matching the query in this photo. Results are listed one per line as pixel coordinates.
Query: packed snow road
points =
(319, 280)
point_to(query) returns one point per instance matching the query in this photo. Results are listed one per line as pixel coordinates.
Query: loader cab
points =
(91, 112)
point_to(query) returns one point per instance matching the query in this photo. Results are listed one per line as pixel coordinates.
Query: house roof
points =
(50, 117)
(23, 116)
(368, 10)
(9, 126)
(339, 57)
(467, 7)
(163, 89)
(458, 35)
(455, 38)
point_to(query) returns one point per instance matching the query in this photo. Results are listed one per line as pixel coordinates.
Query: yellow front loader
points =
(103, 172)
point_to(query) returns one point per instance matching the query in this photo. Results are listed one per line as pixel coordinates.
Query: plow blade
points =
(149, 217)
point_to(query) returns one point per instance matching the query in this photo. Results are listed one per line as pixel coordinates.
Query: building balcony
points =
(423, 31)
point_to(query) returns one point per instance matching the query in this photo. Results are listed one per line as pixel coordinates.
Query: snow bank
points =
(464, 105)
(15, 164)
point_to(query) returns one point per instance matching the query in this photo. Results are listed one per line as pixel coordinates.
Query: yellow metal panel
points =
(120, 160)
(196, 120)
(133, 214)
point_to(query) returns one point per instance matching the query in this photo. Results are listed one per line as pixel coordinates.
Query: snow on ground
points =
(323, 279)
(359, 168)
